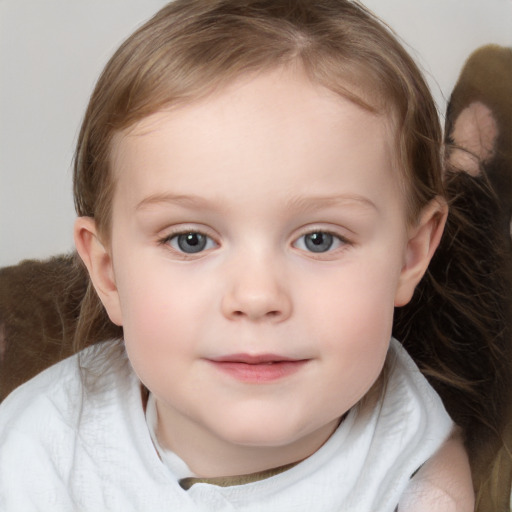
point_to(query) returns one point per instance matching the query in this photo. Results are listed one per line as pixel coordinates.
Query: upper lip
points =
(254, 359)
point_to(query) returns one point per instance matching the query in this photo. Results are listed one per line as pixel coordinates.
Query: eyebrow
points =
(312, 203)
(179, 199)
(300, 203)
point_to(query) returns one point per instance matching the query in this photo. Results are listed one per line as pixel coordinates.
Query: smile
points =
(258, 369)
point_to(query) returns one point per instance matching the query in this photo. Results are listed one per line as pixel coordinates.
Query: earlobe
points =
(423, 241)
(98, 261)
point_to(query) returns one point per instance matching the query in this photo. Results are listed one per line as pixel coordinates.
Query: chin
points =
(263, 432)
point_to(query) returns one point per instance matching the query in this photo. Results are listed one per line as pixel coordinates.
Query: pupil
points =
(191, 242)
(319, 242)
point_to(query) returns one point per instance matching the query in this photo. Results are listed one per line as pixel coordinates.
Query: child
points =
(258, 185)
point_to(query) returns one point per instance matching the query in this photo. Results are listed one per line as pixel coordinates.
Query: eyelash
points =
(206, 242)
(187, 232)
(333, 238)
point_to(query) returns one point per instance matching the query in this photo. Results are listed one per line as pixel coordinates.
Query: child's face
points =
(259, 243)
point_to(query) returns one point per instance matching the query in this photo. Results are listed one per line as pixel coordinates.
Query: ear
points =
(98, 261)
(475, 134)
(423, 240)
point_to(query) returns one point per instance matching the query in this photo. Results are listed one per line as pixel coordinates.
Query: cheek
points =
(152, 309)
(357, 299)
(167, 312)
(352, 321)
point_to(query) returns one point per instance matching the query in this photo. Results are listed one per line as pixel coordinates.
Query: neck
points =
(209, 456)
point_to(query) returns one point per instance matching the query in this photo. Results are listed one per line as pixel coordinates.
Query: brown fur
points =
(39, 306)
(487, 78)
(466, 297)
(465, 301)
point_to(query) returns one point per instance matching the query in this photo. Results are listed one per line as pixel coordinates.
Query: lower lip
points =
(259, 373)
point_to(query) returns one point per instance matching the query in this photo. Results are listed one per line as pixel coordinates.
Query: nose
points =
(256, 291)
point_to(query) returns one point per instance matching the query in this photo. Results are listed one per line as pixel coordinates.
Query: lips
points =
(257, 368)
(253, 359)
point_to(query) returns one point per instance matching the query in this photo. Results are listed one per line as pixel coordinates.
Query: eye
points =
(319, 241)
(191, 242)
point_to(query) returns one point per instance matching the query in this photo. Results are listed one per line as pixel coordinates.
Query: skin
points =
(255, 174)
(443, 483)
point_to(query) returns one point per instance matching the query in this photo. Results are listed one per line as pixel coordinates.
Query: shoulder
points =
(56, 428)
(412, 423)
(444, 483)
(444, 480)
(52, 401)
(49, 389)
(36, 435)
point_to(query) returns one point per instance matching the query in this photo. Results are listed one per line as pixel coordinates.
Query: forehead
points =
(277, 126)
(268, 86)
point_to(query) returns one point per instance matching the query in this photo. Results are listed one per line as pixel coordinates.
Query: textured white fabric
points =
(63, 449)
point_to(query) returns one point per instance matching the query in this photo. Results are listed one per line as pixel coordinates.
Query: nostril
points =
(268, 314)
(254, 315)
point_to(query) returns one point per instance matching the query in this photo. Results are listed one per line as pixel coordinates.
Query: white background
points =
(51, 52)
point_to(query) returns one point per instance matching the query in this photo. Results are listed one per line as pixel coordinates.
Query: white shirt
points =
(63, 448)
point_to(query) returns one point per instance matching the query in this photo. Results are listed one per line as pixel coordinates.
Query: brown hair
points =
(191, 47)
